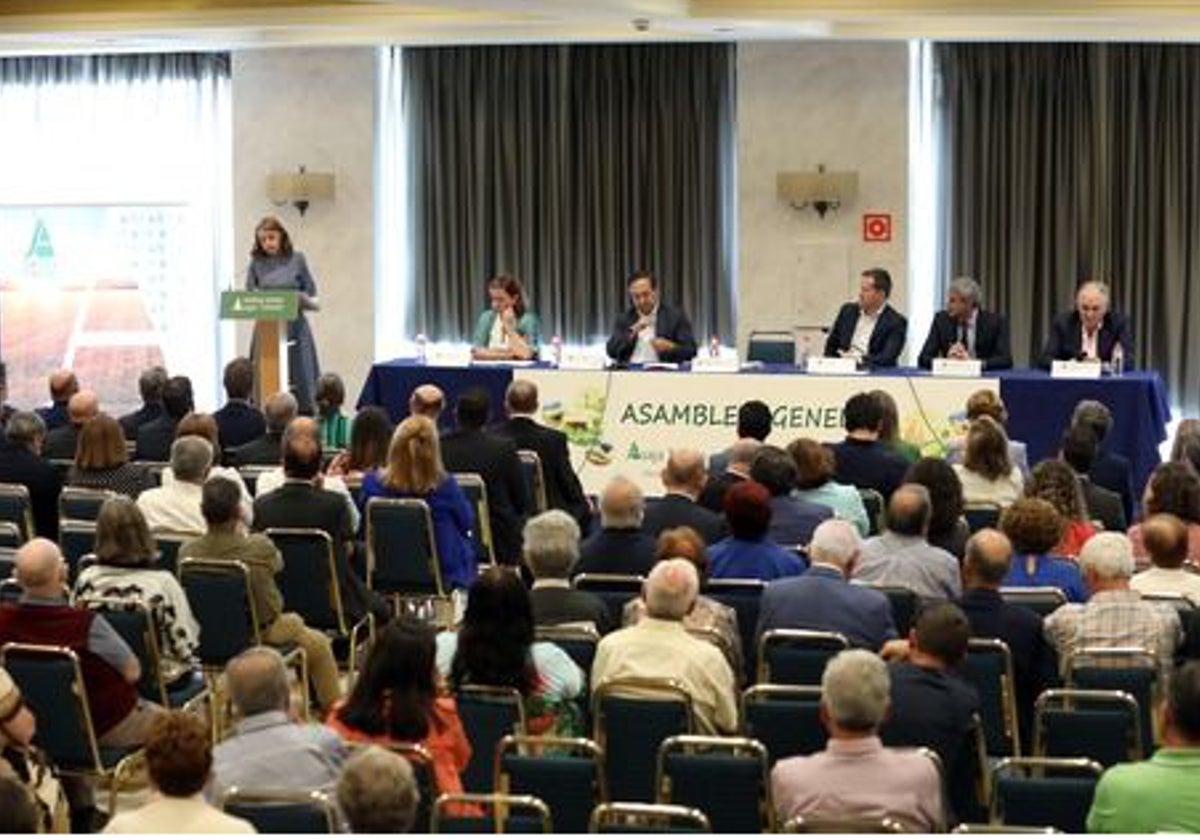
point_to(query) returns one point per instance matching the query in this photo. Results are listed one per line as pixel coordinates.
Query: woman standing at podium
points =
(274, 265)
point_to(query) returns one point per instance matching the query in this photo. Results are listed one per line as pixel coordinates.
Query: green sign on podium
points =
(269, 309)
(260, 305)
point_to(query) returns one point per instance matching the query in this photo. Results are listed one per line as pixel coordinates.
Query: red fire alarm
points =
(877, 227)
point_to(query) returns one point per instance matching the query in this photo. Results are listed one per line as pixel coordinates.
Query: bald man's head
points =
(258, 682)
(684, 472)
(743, 452)
(63, 385)
(909, 510)
(280, 409)
(427, 401)
(521, 398)
(621, 504)
(40, 569)
(83, 406)
(988, 559)
(302, 449)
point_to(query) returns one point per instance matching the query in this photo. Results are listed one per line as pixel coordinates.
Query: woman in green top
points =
(335, 426)
(507, 330)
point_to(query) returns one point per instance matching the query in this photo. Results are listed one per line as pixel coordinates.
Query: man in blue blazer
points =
(869, 329)
(965, 331)
(1090, 330)
(823, 598)
(650, 330)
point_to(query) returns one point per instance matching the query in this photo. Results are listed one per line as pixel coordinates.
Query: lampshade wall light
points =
(300, 188)
(821, 190)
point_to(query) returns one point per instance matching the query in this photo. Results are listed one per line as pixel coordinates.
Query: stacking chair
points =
(402, 554)
(638, 818)
(77, 539)
(15, 507)
(579, 643)
(613, 590)
(630, 718)
(51, 684)
(843, 825)
(775, 347)
(535, 479)
(250, 474)
(1053, 792)
(980, 516)
(786, 719)
(989, 667)
(1078, 723)
(421, 761)
(727, 777)
(873, 502)
(10, 590)
(988, 828)
(82, 504)
(565, 773)
(797, 657)
(488, 713)
(475, 490)
(1133, 670)
(504, 814)
(904, 603)
(283, 812)
(169, 544)
(8, 557)
(744, 596)
(137, 628)
(1043, 600)
(10, 536)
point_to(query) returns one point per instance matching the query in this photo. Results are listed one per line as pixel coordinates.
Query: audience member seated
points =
(470, 449)
(427, 400)
(21, 463)
(753, 422)
(377, 793)
(271, 480)
(63, 386)
(855, 776)
(862, 459)
(902, 556)
(563, 490)
(1034, 527)
(370, 437)
(226, 539)
(1079, 449)
(279, 410)
(987, 403)
(931, 705)
(709, 618)
(1110, 470)
(1173, 488)
(683, 478)
(150, 386)
(889, 429)
(335, 425)
(155, 436)
(126, 571)
(414, 471)
(398, 698)
(495, 645)
(269, 749)
(17, 723)
(62, 442)
(947, 528)
(175, 507)
(204, 426)
(6, 409)
(987, 563)
(102, 461)
(18, 813)
(1165, 540)
(551, 546)
(238, 421)
(741, 456)
(179, 758)
(792, 519)
(749, 552)
(1055, 482)
(988, 477)
(815, 485)
(659, 647)
(823, 598)
(1115, 616)
(1185, 449)
(620, 547)
(1159, 795)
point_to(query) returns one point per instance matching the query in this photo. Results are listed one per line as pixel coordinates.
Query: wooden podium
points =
(270, 310)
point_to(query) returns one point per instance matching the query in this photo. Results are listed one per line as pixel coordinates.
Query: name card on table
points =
(716, 364)
(1071, 369)
(582, 358)
(960, 368)
(448, 355)
(832, 365)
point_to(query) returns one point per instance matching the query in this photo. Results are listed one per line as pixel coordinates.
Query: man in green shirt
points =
(1162, 794)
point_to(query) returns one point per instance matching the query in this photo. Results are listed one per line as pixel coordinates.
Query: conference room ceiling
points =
(56, 26)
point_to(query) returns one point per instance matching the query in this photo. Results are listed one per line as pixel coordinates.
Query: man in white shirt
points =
(175, 507)
(650, 330)
(869, 330)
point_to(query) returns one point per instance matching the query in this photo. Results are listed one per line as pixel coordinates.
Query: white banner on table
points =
(626, 422)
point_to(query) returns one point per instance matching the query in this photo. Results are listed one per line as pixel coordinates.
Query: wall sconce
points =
(821, 190)
(299, 188)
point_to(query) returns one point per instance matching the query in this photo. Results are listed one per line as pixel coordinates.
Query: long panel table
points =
(626, 421)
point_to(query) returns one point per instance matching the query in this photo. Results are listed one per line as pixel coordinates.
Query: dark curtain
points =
(1069, 161)
(569, 166)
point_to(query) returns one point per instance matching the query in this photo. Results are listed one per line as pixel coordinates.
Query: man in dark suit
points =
(150, 385)
(1090, 330)
(741, 455)
(563, 490)
(753, 421)
(63, 386)
(279, 411)
(60, 443)
(469, 449)
(551, 552)
(824, 599)
(238, 422)
(21, 463)
(683, 478)
(965, 331)
(1079, 450)
(620, 547)
(1109, 470)
(861, 459)
(650, 330)
(869, 329)
(154, 439)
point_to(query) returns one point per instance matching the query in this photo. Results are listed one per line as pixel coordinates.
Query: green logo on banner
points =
(40, 247)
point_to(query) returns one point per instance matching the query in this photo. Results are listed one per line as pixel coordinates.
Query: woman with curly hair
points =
(1033, 527)
(1057, 483)
(1173, 488)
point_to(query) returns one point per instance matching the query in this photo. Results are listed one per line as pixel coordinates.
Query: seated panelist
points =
(507, 330)
(965, 331)
(1090, 330)
(650, 330)
(869, 331)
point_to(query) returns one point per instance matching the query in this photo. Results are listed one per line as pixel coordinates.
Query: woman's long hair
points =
(496, 634)
(395, 693)
(414, 462)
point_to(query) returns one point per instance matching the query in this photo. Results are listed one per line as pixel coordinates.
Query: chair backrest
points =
(776, 347)
(168, 549)
(980, 516)
(727, 777)
(503, 814)
(565, 773)
(250, 473)
(630, 718)
(1179, 601)
(475, 489)
(989, 667)
(904, 603)
(579, 643)
(488, 713)
(282, 812)
(638, 818)
(308, 580)
(402, 553)
(613, 590)
(8, 561)
(51, 684)
(135, 625)
(1044, 792)
(1086, 723)
(1043, 600)
(422, 764)
(873, 502)
(10, 590)
(843, 825)
(82, 504)
(1132, 670)
(15, 507)
(988, 828)
(535, 479)
(10, 536)
(219, 594)
(744, 597)
(786, 719)
(797, 657)
(77, 539)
